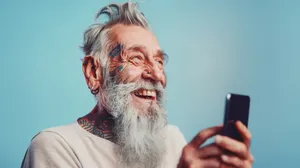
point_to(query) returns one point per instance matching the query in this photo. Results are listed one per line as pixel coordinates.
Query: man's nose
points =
(154, 73)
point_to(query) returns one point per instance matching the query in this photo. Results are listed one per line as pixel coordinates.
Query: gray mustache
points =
(141, 84)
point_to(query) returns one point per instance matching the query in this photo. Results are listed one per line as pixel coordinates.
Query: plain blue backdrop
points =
(215, 47)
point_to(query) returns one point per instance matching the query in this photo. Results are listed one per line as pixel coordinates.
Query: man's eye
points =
(136, 59)
(160, 62)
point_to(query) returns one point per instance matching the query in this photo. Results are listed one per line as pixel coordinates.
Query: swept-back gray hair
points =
(97, 37)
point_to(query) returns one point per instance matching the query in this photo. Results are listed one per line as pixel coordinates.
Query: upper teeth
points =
(143, 92)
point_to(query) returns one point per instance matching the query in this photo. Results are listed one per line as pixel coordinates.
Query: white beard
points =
(139, 133)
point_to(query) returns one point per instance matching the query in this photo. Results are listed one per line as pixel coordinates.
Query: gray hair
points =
(97, 37)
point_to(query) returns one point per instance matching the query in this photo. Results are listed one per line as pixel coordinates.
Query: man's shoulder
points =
(50, 148)
(52, 133)
(61, 129)
(53, 136)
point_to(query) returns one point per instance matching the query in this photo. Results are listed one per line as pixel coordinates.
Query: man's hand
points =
(213, 155)
(207, 156)
(241, 156)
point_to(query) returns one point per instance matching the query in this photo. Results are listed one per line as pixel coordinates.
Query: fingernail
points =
(218, 139)
(224, 158)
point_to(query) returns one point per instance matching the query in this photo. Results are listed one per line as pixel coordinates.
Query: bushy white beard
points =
(139, 134)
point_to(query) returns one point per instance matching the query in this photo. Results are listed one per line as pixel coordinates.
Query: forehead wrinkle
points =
(140, 48)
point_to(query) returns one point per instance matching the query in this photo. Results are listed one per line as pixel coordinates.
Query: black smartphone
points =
(236, 109)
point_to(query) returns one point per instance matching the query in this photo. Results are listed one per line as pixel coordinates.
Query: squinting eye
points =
(160, 62)
(136, 59)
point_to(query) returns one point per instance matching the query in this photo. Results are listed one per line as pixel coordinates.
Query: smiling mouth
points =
(145, 94)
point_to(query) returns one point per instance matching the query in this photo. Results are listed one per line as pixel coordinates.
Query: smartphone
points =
(236, 109)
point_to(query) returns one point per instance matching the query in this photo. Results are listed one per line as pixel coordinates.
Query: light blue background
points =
(215, 47)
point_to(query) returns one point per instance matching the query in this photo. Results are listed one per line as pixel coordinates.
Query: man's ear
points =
(92, 71)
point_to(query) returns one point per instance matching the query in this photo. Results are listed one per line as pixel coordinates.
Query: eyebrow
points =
(141, 48)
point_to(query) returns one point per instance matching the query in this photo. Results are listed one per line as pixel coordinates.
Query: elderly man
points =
(124, 69)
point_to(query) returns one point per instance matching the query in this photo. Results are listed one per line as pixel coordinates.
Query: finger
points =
(233, 160)
(204, 135)
(245, 133)
(210, 163)
(210, 151)
(232, 145)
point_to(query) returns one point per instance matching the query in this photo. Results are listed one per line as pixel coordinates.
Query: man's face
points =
(140, 59)
(134, 94)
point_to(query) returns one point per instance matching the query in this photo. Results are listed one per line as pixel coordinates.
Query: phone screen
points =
(236, 109)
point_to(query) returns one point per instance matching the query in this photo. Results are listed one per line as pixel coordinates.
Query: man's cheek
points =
(131, 72)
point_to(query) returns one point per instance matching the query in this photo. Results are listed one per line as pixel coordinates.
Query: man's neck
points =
(98, 122)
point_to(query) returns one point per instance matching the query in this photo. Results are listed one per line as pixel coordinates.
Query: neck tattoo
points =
(98, 123)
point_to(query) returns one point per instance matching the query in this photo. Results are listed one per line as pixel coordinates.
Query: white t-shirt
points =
(71, 146)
